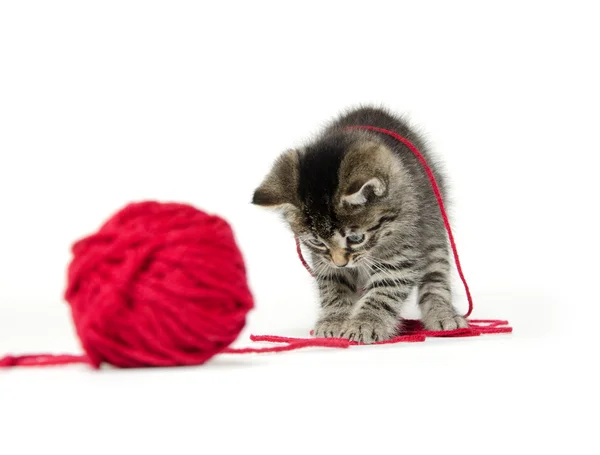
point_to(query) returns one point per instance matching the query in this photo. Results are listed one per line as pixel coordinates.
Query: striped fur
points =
(362, 205)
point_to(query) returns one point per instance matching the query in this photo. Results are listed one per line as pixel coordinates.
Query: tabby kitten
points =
(362, 205)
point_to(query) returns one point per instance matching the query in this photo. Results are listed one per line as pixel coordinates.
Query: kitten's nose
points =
(339, 260)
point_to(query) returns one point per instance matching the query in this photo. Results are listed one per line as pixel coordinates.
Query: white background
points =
(103, 103)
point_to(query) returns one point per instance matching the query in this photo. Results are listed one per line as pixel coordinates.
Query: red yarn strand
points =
(301, 256)
(413, 331)
(38, 360)
(291, 344)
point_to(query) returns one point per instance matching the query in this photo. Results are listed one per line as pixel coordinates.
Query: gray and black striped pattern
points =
(362, 205)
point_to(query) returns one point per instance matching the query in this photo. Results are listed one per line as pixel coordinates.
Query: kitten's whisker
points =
(387, 273)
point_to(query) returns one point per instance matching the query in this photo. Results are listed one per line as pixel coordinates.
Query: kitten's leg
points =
(435, 299)
(376, 316)
(337, 290)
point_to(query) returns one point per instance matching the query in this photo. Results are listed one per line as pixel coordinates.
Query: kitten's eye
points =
(356, 238)
(315, 242)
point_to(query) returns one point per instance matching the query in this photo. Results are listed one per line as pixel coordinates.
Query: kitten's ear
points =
(279, 187)
(361, 192)
(365, 174)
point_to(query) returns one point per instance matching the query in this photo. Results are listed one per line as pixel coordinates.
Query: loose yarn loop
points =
(164, 284)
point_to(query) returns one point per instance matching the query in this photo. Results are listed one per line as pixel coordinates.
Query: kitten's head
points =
(341, 196)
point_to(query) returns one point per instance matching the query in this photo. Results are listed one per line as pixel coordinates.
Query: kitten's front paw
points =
(329, 327)
(368, 330)
(444, 320)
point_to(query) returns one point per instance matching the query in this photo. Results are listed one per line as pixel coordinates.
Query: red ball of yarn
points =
(160, 284)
